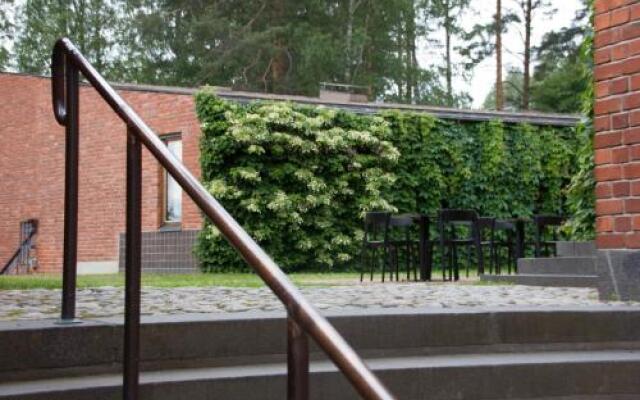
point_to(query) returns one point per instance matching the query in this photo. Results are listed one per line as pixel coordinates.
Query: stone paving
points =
(108, 301)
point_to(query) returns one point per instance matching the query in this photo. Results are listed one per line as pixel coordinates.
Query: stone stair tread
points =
(552, 280)
(542, 275)
(557, 275)
(90, 382)
(558, 265)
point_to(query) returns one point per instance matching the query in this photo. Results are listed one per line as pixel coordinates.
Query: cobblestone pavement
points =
(108, 301)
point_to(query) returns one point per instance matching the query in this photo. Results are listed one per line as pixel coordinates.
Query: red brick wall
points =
(32, 167)
(617, 123)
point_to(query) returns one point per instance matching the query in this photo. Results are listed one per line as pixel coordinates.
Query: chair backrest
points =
(451, 217)
(401, 221)
(458, 216)
(547, 220)
(486, 224)
(376, 225)
(401, 225)
(504, 225)
(543, 221)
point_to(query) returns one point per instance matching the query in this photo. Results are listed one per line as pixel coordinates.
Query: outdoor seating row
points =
(388, 239)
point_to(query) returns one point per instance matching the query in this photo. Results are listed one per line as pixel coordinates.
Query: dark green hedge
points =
(497, 169)
(299, 178)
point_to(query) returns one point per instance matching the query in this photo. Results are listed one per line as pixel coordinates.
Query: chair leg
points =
(443, 262)
(514, 259)
(509, 257)
(363, 263)
(494, 264)
(372, 263)
(491, 266)
(384, 263)
(397, 265)
(449, 263)
(408, 261)
(456, 272)
(496, 261)
(468, 261)
(416, 261)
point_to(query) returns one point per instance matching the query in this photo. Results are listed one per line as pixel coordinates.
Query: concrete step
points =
(43, 349)
(576, 249)
(472, 376)
(558, 265)
(553, 280)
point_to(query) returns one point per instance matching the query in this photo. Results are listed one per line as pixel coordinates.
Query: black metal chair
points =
(505, 238)
(486, 230)
(375, 240)
(449, 221)
(542, 225)
(401, 238)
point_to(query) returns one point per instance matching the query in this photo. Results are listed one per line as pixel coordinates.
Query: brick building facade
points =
(32, 174)
(617, 139)
(32, 169)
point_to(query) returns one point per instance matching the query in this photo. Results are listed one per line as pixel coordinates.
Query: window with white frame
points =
(172, 196)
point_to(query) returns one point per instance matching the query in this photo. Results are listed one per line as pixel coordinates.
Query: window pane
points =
(173, 199)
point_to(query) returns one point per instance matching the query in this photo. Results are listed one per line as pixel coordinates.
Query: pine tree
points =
(6, 32)
(447, 14)
(524, 15)
(92, 25)
(498, 51)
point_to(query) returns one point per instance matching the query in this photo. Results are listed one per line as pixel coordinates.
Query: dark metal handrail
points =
(16, 255)
(303, 318)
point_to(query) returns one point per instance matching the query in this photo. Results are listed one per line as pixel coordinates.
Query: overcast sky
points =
(483, 78)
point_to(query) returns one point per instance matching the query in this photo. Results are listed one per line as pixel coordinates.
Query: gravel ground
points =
(108, 301)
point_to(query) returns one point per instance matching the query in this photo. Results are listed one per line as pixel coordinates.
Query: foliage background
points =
(581, 198)
(296, 178)
(299, 178)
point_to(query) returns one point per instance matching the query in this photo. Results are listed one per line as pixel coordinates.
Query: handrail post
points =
(131, 358)
(297, 361)
(70, 254)
(304, 319)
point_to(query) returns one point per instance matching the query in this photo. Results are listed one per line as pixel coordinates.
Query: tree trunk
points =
(279, 61)
(401, 77)
(410, 38)
(349, 40)
(447, 29)
(527, 56)
(499, 84)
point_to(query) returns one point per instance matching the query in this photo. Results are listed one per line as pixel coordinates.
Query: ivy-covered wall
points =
(498, 169)
(300, 178)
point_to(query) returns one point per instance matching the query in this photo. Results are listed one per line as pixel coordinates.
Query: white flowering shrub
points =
(298, 179)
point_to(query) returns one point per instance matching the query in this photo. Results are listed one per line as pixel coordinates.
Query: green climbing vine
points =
(300, 178)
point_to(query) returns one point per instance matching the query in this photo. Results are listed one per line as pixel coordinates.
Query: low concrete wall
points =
(165, 251)
(619, 272)
(97, 267)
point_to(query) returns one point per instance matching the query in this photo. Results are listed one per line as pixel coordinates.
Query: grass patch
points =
(42, 281)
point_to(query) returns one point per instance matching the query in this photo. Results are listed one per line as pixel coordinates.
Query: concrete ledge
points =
(550, 280)
(619, 272)
(97, 267)
(558, 265)
(41, 349)
(486, 376)
(576, 249)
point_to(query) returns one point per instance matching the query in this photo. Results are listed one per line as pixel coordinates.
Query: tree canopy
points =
(290, 46)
